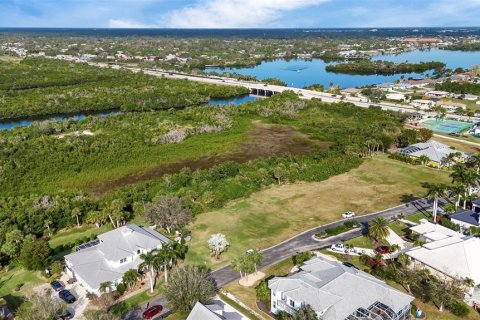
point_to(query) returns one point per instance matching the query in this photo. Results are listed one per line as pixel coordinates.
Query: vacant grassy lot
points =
(459, 143)
(278, 213)
(15, 282)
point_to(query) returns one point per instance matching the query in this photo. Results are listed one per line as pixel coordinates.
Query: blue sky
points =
(238, 13)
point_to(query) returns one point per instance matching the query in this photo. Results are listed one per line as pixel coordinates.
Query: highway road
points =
(302, 93)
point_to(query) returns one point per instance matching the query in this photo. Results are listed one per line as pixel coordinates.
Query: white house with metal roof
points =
(450, 258)
(338, 292)
(429, 232)
(111, 255)
(217, 310)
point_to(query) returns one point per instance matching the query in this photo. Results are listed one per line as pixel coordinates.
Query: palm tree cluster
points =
(162, 259)
(247, 263)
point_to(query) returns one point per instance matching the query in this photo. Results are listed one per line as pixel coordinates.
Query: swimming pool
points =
(447, 126)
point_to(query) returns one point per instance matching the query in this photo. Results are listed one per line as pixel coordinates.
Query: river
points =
(7, 125)
(300, 73)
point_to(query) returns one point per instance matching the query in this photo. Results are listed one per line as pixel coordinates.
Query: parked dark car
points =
(67, 316)
(57, 285)
(350, 265)
(383, 250)
(67, 296)
(454, 134)
(151, 312)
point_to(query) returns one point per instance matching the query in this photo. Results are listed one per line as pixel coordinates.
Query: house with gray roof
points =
(217, 310)
(435, 151)
(468, 218)
(111, 255)
(338, 292)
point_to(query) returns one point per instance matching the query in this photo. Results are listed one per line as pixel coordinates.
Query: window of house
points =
(292, 303)
(123, 260)
(138, 251)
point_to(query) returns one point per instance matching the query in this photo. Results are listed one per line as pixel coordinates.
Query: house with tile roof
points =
(338, 292)
(111, 255)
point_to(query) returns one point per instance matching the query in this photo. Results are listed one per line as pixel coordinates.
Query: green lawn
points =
(280, 212)
(14, 277)
(418, 216)
(361, 242)
(72, 234)
(398, 227)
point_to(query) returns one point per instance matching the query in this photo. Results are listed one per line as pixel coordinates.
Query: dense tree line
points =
(366, 67)
(38, 87)
(35, 160)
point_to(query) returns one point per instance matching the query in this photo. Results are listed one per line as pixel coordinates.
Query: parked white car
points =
(340, 247)
(348, 215)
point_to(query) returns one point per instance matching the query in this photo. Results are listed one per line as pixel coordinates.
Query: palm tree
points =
(474, 162)
(150, 263)
(130, 278)
(378, 229)
(257, 258)
(423, 160)
(76, 212)
(457, 191)
(165, 256)
(47, 225)
(105, 286)
(435, 191)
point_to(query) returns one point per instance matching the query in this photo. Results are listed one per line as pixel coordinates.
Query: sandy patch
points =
(251, 279)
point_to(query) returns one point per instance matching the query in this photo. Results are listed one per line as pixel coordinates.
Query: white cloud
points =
(128, 23)
(233, 13)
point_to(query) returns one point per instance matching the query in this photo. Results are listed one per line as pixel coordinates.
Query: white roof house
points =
(433, 232)
(114, 253)
(218, 310)
(434, 150)
(453, 257)
(336, 291)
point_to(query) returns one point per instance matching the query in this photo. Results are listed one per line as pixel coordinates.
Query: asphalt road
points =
(300, 243)
(305, 241)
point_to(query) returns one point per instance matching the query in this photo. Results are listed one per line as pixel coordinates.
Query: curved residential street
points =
(300, 243)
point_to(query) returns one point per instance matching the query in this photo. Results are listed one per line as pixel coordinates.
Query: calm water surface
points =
(300, 73)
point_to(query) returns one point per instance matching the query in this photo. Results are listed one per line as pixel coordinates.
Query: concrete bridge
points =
(267, 90)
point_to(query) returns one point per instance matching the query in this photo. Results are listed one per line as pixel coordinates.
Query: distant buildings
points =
(338, 292)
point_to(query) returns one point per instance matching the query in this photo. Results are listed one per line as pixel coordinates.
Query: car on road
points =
(151, 312)
(348, 215)
(454, 134)
(383, 250)
(66, 316)
(57, 285)
(67, 296)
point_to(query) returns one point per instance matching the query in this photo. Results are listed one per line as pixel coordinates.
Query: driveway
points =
(136, 314)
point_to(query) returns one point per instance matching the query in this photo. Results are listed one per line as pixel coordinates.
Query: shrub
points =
(458, 308)
(300, 258)
(121, 288)
(263, 292)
